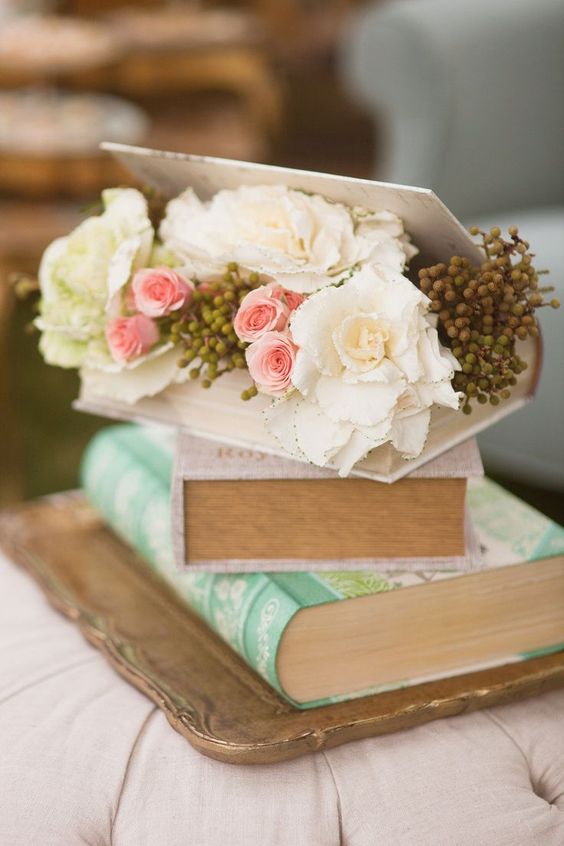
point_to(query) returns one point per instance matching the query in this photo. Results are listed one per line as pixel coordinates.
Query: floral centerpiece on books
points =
(308, 295)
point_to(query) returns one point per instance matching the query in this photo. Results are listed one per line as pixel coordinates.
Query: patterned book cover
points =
(126, 473)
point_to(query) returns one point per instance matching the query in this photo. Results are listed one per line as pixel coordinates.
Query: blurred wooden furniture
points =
(49, 141)
(176, 52)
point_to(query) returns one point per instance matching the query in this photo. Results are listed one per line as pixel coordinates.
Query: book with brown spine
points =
(240, 510)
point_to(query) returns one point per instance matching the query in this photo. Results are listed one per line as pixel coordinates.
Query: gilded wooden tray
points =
(207, 693)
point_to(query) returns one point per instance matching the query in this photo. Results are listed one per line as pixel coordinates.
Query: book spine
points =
(126, 474)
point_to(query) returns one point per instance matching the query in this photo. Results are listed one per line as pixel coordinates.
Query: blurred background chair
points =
(469, 101)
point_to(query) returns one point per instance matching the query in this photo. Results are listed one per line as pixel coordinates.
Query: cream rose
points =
(369, 366)
(303, 241)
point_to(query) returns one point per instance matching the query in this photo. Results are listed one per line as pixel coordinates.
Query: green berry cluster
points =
(205, 332)
(484, 310)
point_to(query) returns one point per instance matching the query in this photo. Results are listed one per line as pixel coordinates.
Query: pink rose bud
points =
(293, 299)
(261, 311)
(271, 362)
(159, 291)
(130, 337)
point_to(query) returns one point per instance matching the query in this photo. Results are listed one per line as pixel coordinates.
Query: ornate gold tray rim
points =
(208, 694)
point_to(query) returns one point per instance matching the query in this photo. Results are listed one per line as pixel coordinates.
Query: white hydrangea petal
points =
(121, 263)
(379, 221)
(60, 350)
(383, 225)
(47, 284)
(78, 318)
(362, 441)
(259, 258)
(110, 365)
(364, 404)
(305, 374)
(454, 363)
(312, 324)
(318, 437)
(304, 281)
(436, 366)
(403, 346)
(387, 372)
(279, 421)
(438, 393)
(334, 233)
(408, 247)
(357, 448)
(185, 209)
(389, 253)
(125, 207)
(393, 295)
(183, 228)
(408, 434)
(378, 433)
(129, 385)
(409, 363)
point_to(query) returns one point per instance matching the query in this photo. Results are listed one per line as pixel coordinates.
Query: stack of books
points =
(322, 635)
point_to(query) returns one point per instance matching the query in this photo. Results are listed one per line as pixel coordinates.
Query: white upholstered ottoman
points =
(86, 759)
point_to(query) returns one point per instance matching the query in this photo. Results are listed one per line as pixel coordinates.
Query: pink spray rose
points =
(293, 299)
(262, 310)
(271, 362)
(130, 337)
(158, 291)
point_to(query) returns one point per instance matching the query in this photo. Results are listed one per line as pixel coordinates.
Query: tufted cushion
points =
(85, 758)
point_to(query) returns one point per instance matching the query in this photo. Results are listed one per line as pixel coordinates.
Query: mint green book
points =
(324, 637)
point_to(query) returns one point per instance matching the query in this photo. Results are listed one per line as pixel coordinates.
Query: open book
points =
(219, 413)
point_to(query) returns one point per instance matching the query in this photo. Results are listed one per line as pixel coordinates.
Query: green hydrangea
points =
(61, 350)
(83, 272)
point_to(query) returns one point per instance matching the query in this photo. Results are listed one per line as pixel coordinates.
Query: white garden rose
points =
(81, 274)
(303, 240)
(368, 369)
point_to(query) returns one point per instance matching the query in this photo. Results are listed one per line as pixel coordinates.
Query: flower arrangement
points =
(307, 295)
